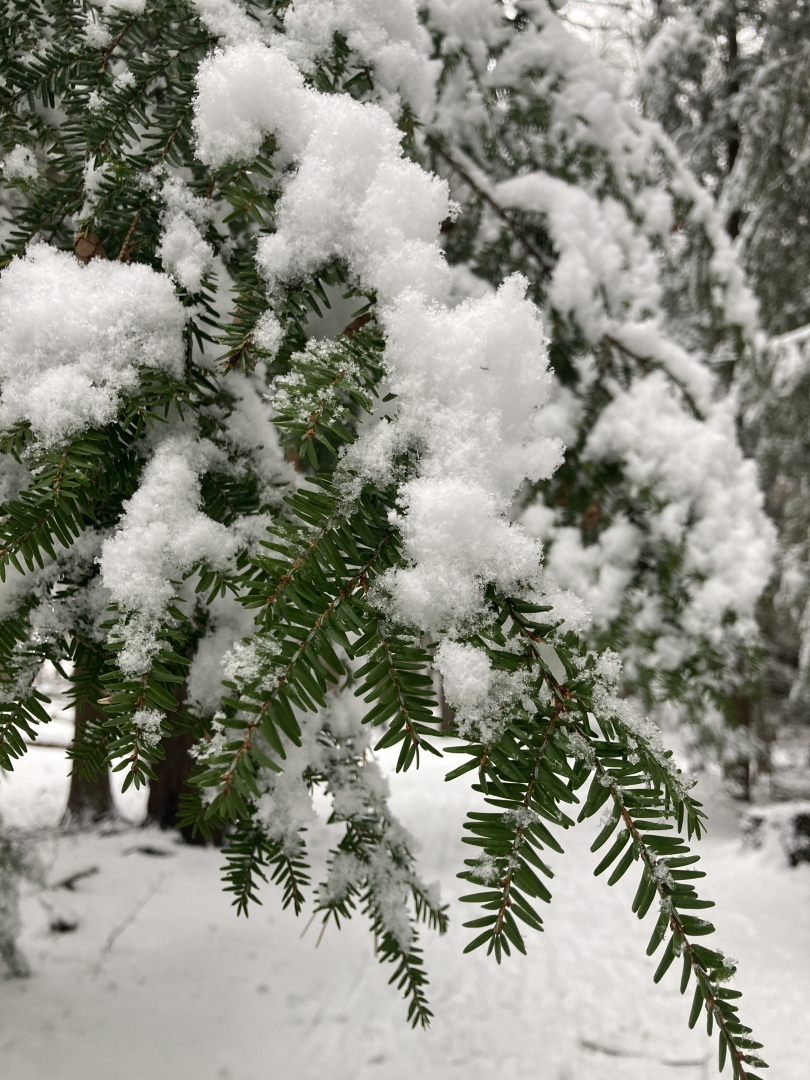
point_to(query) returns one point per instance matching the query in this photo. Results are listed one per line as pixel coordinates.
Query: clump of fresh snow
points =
(227, 19)
(469, 381)
(184, 252)
(383, 215)
(388, 37)
(470, 384)
(19, 164)
(245, 93)
(162, 535)
(480, 696)
(95, 33)
(268, 333)
(73, 337)
(148, 723)
(713, 505)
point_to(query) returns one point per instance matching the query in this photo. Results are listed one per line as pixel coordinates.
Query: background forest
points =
(393, 394)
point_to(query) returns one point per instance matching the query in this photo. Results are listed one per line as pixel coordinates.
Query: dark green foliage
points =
(312, 575)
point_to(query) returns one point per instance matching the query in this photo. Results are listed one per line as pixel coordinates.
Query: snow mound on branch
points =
(478, 694)
(245, 93)
(162, 535)
(227, 19)
(72, 338)
(387, 36)
(713, 502)
(184, 252)
(607, 274)
(382, 215)
(469, 381)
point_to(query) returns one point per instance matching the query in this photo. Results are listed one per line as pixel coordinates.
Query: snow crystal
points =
(486, 870)
(246, 663)
(72, 338)
(20, 164)
(95, 33)
(148, 722)
(268, 333)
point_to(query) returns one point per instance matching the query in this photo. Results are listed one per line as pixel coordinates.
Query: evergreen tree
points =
(221, 259)
(728, 81)
(655, 517)
(773, 394)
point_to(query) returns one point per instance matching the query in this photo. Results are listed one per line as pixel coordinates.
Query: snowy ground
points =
(160, 979)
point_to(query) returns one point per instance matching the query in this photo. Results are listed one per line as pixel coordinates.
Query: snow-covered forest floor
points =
(160, 979)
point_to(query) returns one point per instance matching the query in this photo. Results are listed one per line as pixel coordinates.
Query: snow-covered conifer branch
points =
(254, 172)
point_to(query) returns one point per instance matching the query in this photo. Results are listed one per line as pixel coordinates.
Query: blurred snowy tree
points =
(655, 516)
(222, 258)
(729, 82)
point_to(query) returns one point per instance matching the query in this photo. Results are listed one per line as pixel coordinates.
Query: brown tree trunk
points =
(163, 808)
(89, 799)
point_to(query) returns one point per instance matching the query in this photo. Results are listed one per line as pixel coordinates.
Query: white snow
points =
(388, 37)
(699, 468)
(185, 254)
(73, 337)
(163, 533)
(19, 164)
(159, 950)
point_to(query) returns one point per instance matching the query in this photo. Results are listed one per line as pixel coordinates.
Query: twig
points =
(545, 261)
(644, 362)
(118, 931)
(70, 882)
(323, 931)
(309, 923)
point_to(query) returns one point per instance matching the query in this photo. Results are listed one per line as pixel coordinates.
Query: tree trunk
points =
(90, 799)
(163, 808)
(734, 221)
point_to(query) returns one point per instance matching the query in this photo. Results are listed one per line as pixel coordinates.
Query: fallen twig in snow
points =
(116, 933)
(70, 882)
(612, 1051)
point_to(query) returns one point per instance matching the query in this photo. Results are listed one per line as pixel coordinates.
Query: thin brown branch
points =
(644, 362)
(545, 261)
